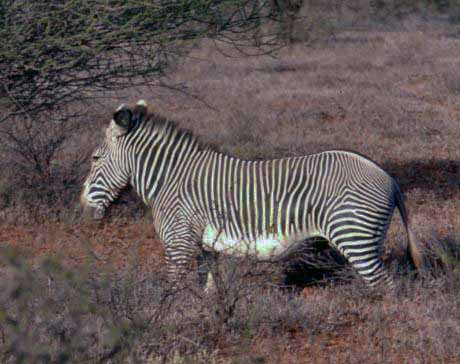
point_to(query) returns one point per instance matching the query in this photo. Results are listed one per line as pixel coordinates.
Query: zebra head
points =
(110, 167)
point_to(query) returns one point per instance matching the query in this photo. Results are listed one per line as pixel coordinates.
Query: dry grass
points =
(391, 93)
(55, 314)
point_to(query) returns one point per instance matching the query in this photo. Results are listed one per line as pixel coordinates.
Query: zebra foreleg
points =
(179, 259)
(206, 261)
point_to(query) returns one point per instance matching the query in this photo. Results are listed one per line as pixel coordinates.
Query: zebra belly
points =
(264, 246)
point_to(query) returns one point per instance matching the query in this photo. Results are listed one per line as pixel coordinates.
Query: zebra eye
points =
(96, 158)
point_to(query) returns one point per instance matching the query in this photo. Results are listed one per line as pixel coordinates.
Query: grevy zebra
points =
(202, 198)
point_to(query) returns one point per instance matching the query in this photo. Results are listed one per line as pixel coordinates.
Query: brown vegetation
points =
(79, 292)
(54, 313)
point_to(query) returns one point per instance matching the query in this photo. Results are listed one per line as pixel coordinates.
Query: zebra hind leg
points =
(364, 254)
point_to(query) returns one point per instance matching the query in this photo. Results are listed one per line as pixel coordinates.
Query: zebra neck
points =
(161, 161)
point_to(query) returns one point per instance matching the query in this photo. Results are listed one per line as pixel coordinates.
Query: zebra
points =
(201, 198)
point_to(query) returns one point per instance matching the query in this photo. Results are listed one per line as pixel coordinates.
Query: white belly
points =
(268, 246)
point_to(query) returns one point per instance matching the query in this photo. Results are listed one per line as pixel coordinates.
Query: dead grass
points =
(56, 313)
(390, 93)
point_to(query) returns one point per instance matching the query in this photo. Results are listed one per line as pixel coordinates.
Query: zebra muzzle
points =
(96, 213)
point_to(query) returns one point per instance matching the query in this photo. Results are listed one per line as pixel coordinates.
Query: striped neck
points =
(159, 154)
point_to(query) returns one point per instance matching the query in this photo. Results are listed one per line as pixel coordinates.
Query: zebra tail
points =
(414, 251)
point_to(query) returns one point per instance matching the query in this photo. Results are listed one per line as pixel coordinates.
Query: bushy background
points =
(377, 77)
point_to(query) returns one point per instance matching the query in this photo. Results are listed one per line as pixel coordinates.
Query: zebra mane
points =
(168, 128)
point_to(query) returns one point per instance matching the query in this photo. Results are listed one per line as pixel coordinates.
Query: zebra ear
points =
(123, 118)
(140, 110)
